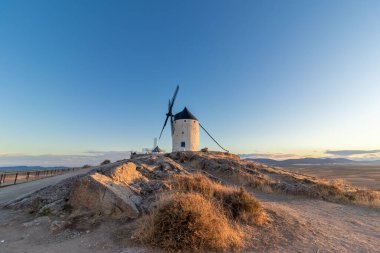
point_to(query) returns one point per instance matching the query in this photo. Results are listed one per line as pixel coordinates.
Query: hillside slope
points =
(304, 213)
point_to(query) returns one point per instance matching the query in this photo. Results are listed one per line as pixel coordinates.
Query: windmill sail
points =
(169, 114)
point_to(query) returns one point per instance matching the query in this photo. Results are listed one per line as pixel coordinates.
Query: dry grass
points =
(269, 179)
(189, 221)
(242, 206)
(237, 204)
(196, 183)
(198, 214)
(366, 197)
(330, 190)
(260, 181)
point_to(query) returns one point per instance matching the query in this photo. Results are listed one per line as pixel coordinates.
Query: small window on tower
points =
(183, 132)
(182, 144)
(185, 120)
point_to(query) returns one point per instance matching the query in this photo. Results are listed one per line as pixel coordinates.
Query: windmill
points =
(184, 128)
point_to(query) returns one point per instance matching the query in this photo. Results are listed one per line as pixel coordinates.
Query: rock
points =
(56, 225)
(37, 221)
(99, 193)
(124, 173)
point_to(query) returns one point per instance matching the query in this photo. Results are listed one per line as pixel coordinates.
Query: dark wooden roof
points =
(185, 114)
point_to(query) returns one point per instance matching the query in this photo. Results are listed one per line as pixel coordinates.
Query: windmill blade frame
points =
(166, 121)
(173, 100)
(170, 108)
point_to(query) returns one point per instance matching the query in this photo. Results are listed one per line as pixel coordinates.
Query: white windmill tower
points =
(185, 128)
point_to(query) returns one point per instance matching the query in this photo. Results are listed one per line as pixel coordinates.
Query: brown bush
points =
(189, 221)
(196, 183)
(238, 204)
(241, 205)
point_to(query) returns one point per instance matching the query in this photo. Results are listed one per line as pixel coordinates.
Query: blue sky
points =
(286, 78)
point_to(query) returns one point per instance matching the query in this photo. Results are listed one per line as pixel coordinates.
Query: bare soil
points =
(299, 225)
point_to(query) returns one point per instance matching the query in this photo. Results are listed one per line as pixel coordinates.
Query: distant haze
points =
(91, 158)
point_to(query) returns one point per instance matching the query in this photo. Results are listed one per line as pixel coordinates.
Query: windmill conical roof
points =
(184, 114)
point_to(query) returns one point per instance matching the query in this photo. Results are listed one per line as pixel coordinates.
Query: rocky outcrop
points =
(128, 188)
(118, 190)
(124, 172)
(101, 194)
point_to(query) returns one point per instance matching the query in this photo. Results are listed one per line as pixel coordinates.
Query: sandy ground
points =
(21, 232)
(298, 225)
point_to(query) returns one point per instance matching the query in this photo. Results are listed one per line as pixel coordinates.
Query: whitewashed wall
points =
(186, 130)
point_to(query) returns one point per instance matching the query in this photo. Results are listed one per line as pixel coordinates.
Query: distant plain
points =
(362, 175)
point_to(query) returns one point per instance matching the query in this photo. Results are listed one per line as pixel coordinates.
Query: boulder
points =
(37, 221)
(101, 194)
(124, 173)
(57, 226)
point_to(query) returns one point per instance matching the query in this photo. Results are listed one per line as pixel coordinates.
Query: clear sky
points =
(265, 77)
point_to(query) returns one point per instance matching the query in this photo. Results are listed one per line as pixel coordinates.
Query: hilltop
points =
(202, 201)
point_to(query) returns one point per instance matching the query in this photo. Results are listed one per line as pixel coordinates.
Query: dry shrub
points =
(189, 221)
(237, 204)
(241, 205)
(364, 197)
(196, 183)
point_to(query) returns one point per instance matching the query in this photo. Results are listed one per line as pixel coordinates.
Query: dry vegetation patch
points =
(198, 213)
(241, 205)
(236, 203)
(189, 221)
(269, 179)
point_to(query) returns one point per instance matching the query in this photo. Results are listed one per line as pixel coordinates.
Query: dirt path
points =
(323, 226)
(13, 192)
(301, 224)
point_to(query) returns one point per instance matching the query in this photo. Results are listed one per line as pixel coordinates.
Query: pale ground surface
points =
(303, 225)
(325, 226)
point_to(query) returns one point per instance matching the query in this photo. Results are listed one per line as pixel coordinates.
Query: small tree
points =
(105, 162)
